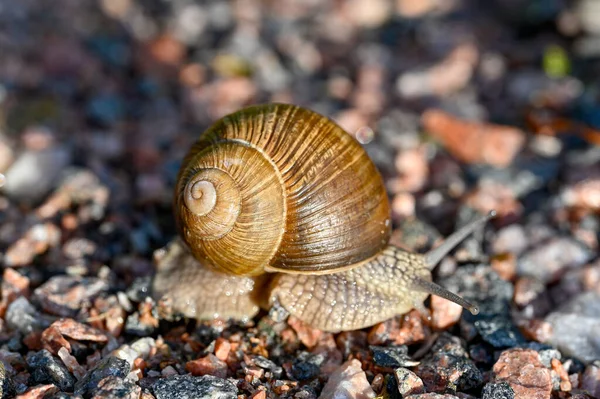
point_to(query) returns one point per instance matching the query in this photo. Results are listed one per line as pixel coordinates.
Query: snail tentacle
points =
(433, 257)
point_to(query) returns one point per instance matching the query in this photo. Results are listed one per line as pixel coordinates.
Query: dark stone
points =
(500, 332)
(391, 387)
(447, 366)
(393, 356)
(481, 353)
(114, 387)
(497, 390)
(109, 366)
(481, 285)
(7, 389)
(134, 326)
(62, 395)
(47, 369)
(189, 387)
(139, 289)
(307, 366)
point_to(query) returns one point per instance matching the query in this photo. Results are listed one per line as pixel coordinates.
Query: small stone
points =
(7, 389)
(524, 372)
(46, 369)
(447, 365)
(500, 332)
(34, 173)
(189, 387)
(37, 240)
(307, 366)
(498, 390)
(590, 380)
(114, 387)
(71, 363)
(308, 336)
(23, 317)
(78, 331)
(66, 296)
(52, 340)
(547, 261)
(444, 313)
(109, 366)
(222, 348)
(348, 381)
(408, 382)
(505, 265)
(576, 327)
(208, 365)
(259, 395)
(38, 392)
(557, 367)
(142, 348)
(392, 357)
(401, 330)
(536, 330)
(511, 239)
(475, 142)
(13, 285)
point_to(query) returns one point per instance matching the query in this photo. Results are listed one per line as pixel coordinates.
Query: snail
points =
(277, 205)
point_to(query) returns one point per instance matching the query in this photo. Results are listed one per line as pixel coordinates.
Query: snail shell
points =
(280, 188)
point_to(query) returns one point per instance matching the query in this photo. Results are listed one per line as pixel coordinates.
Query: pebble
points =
(142, 348)
(7, 388)
(33, 173)
(408, 382)
(190, 387)
(497, 390)
(12, 286)
(500, 332)
(47, 369)
(307, 365)
(448, 365)
(576, 327)
(392, 357)
(348, 381)
(444, 313)
(590, 381)
(23, 317)
(37, 240)
(67, 296)
(401, 330)
(113, 387)
(548, 261)
(207, 365)
(307, 335)
(71, 363)
(108, 366)
(524, 372)
(38, 392)
(474, 142)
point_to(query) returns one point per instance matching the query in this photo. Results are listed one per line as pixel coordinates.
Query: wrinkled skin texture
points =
(363, 296)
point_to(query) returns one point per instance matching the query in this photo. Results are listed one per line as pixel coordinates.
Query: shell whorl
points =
(242, 230)
(212, 198)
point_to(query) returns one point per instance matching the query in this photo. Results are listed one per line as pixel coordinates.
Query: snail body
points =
(276, 203)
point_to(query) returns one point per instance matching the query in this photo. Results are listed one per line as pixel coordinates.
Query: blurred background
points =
(444, 95)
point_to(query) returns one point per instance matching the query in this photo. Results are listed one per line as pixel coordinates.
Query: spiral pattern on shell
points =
(280, 188)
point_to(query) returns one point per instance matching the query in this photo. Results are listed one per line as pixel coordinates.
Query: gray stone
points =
(189, 387)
